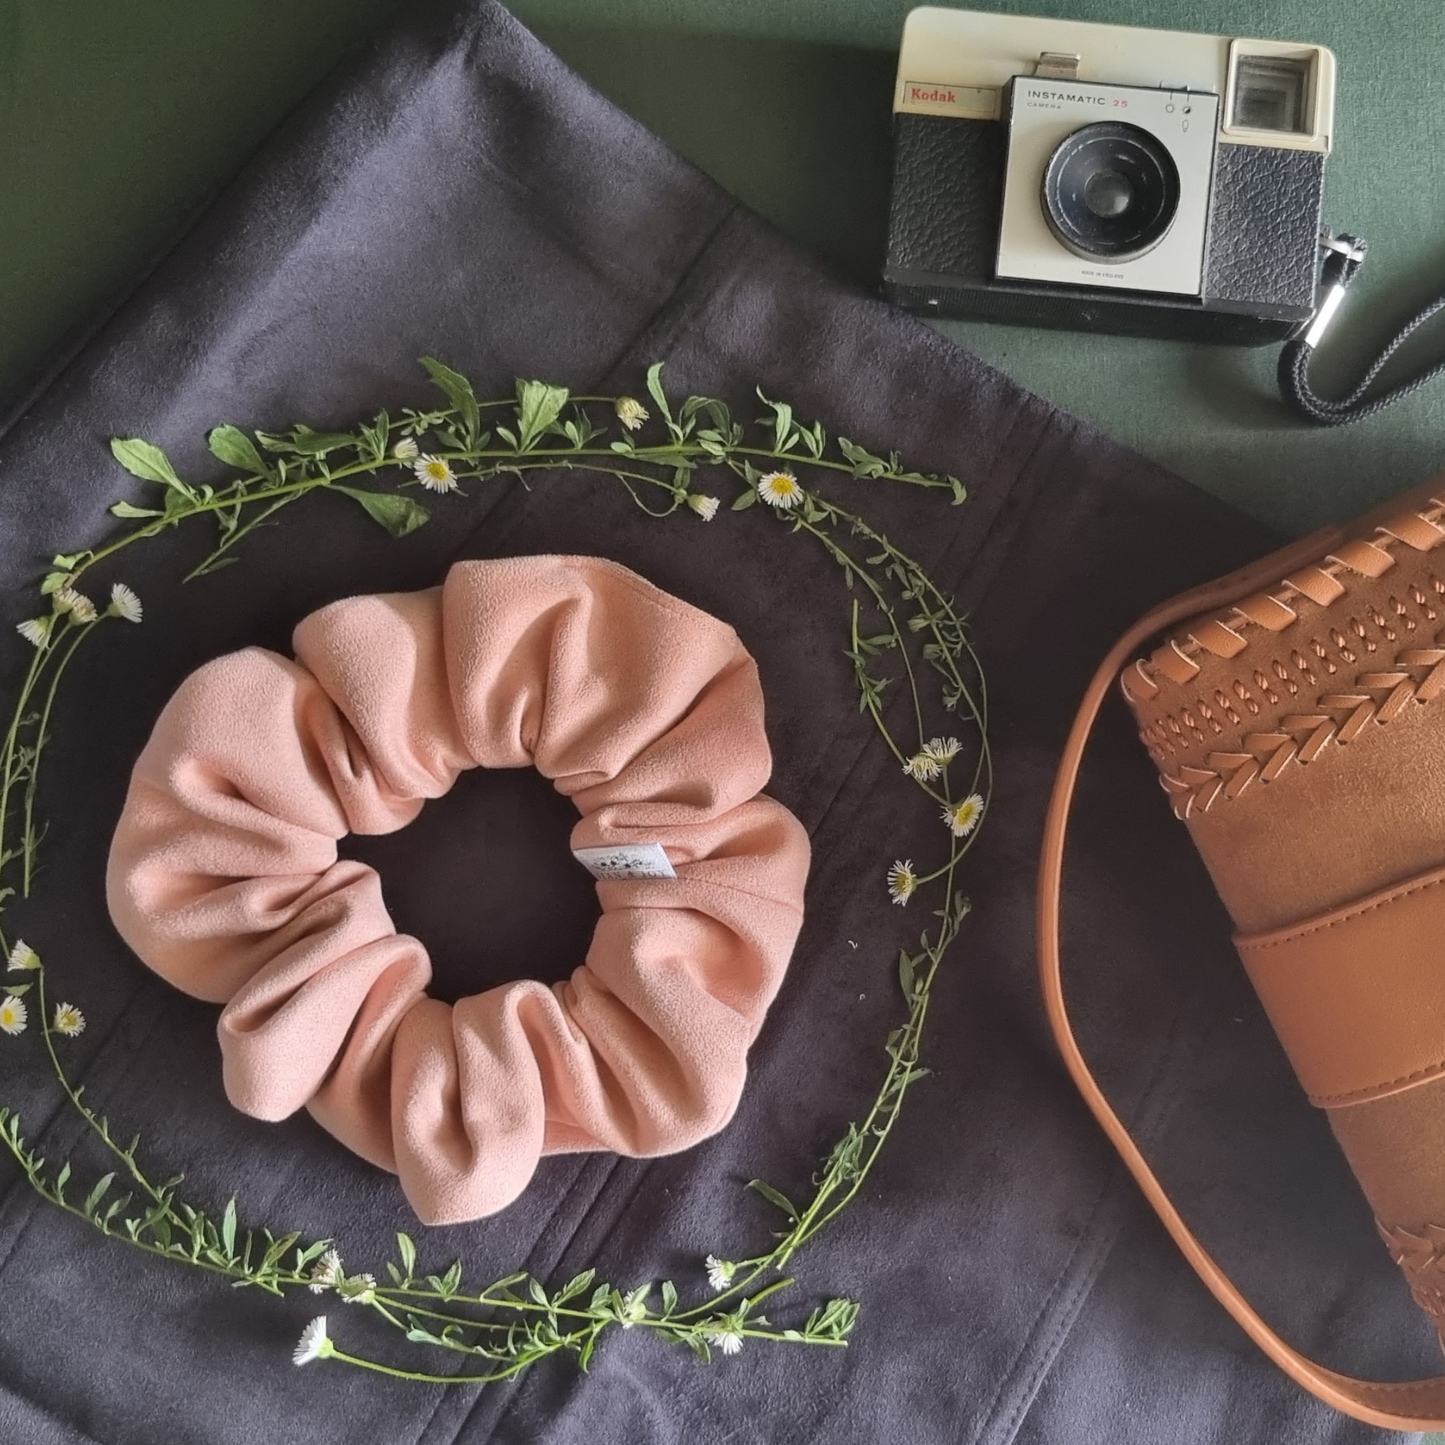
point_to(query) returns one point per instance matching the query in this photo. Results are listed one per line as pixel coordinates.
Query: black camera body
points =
(1106, 178)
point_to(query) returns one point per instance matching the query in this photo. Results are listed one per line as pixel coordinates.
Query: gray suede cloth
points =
(459, 192)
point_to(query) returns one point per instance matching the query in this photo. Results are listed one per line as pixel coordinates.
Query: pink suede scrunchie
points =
(647, 713)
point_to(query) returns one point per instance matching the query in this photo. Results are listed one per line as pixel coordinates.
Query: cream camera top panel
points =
(957, 63)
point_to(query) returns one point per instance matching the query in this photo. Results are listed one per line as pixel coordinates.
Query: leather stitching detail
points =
(1367, 1092)
(1274, 608)
(1255, 946)
(1260, 944)
(1337, 718)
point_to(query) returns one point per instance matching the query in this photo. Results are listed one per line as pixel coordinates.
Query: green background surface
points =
(121, 119)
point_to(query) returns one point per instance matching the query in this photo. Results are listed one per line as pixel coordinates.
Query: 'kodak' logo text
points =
(938, 94)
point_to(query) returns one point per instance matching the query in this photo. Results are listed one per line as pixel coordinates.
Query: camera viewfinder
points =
(1270, 93)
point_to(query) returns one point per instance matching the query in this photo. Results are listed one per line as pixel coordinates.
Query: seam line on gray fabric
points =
(1154, 1103)
(1058, 1314)
(482, 1392)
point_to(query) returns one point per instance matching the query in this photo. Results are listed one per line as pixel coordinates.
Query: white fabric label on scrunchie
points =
(224, 875)
(626, 860)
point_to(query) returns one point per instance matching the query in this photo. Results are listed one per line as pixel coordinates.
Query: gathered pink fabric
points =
(647, 713)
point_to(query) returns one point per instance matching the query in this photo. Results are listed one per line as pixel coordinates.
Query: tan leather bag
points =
(1297, 718)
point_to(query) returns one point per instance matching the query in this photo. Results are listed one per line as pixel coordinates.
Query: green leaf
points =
(310, 443)
(177, 502)
(906, 965)
(228, 1226)
(774, 1196)
(459, 392)
(782, 421)
(669, 1297)
(399, 515)
(534, 1288)
(746, 500)
(960, 492)
(538, 406)
(655, 391)
(232, 446)
(865, 464)
(312, 1251)
(408, 1254)
(55, 582)
(305, 442)
(452, 1280)
(61, 1179)
(126, 509)
(585, 1357)
(146, 460)
(14, 990)
(576, 1285)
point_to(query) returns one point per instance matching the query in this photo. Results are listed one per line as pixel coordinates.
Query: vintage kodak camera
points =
(1105, 178)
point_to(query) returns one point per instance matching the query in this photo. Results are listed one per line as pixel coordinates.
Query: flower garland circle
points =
(897, 619)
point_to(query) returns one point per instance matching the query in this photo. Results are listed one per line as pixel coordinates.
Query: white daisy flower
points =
(35, 630)
(719, 1272)
(902, 880)
(434, 474)
(359, 1289)
(314, 1344)
(23, 956)
(705, 507)
(942, 750)
(780, 489)
(325, 1272)
(631, 412)
(727, 1341)
(406, 450)
(13, 1014)
(68, 1020)
(124, 603)
(922, 767)
(962, 818)
(77, 604)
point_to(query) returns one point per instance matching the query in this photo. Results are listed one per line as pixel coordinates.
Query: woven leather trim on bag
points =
(1229, 700)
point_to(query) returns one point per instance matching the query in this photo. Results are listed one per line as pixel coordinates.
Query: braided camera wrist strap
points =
(1344, 256)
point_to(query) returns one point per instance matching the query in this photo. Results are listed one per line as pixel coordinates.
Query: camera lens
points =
(1110, 191)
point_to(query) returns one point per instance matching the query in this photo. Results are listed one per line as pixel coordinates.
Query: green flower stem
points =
(853, 567)
(74, 1095)
(12, 736)
(175, 1254)
(832, 466)
(42, 732)
(201, 568)
(377, 1368)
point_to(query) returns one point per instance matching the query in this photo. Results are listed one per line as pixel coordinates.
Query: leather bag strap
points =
(1412, 1405)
